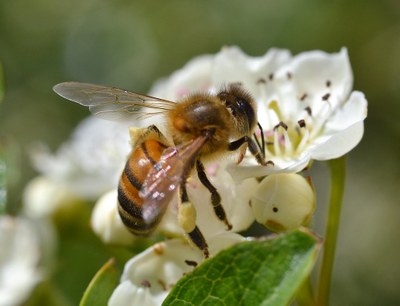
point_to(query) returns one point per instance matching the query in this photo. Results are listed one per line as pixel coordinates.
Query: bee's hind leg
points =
(187, 220)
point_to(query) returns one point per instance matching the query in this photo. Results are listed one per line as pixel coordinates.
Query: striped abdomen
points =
(140, 162)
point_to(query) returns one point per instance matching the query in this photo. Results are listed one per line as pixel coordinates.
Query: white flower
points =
(91, 162)
(19, 260)
(43, 197)
(83, 168)
(149, 276)
(305, 103)
(307, 110)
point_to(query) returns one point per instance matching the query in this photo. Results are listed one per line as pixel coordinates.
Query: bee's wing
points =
(163, 180)
(111, 102)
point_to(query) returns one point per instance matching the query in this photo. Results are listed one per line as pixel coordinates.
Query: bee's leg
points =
(253, 147)
(215, 197)
(187, 220)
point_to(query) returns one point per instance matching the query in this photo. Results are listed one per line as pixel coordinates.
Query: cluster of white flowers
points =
(20, 254)
(307, 110)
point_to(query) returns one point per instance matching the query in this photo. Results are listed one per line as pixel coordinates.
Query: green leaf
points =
(102, 285)
(267, 272)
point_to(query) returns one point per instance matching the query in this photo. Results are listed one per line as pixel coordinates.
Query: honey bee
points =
(201, 126)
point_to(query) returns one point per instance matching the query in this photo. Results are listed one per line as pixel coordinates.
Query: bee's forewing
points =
(111, 102)
(164, 179)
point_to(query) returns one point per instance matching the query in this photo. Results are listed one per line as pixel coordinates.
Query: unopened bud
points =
(283, 202)
(107, 223)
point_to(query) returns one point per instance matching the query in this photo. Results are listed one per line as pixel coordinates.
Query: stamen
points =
(326, 96)
(281, 124)
(302, 123)
(304, 140)
(274, 106)
(303, 97)
(271, 76)
(145, 283)
(308, 110)
(162, 284)
(321, 118)
(277, 147)
(287, 143)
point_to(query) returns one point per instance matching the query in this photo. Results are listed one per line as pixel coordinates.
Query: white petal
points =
(344, 131)
(222, 241)
(235, 199)
(232, 65)
(161, 265)
(249, 168)
(127, 294)
(354, 110)
(19, 260)
(193, 77)
(312, 71)
(340, 143)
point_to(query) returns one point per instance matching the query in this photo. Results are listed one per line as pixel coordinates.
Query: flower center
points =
(293, 132)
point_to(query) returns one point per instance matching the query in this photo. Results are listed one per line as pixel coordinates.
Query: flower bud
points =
(44, 197)
(106, 222)
(283, 202)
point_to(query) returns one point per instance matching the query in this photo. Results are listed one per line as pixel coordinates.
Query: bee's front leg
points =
(253, 148)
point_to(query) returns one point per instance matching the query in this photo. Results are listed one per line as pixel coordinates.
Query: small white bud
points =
(43, 197)
(283, 202)
(106, 222)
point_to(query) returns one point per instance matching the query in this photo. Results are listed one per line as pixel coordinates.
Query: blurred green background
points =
(131, 44)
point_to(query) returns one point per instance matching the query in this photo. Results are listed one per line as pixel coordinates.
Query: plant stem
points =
(338, 172)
